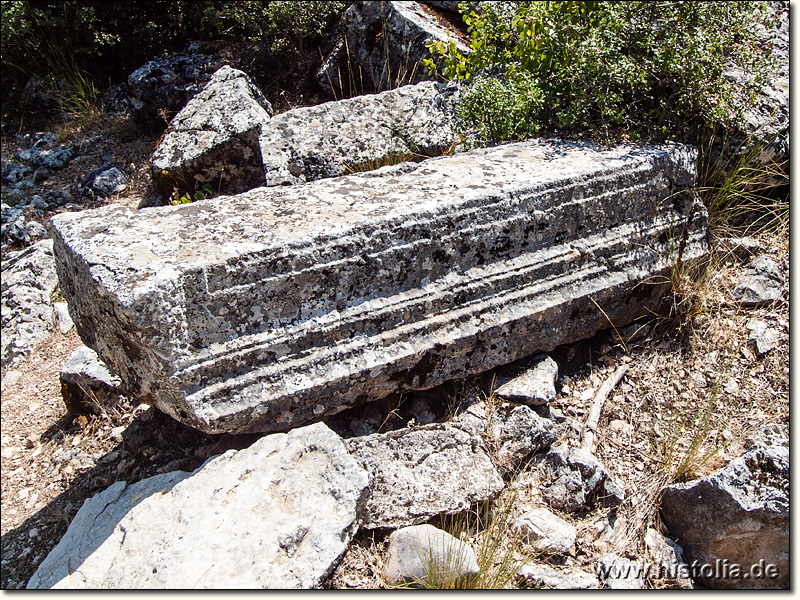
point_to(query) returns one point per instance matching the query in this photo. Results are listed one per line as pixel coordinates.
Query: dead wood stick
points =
(597, 407)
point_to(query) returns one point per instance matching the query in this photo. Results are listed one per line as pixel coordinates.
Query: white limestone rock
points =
(279, 514)
(535, 386)
(423, 554)
(546, 532)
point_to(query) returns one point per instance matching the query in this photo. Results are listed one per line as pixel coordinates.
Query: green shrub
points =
(636, 69)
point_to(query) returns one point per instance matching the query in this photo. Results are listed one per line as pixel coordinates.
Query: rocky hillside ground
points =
(703, 377)
(695, 390)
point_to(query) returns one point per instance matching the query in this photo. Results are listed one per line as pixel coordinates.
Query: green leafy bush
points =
(638, 69)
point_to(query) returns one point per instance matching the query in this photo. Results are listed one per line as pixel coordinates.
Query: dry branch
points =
(597, 407)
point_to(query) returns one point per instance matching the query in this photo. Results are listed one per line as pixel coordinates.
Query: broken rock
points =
(546, 532)
(279, 514)
(537, 385)
(359, 134)
(739, 515)
(215, 138)
(86, 384)
(386, 42)
(167, 84)
(422, 472)
(281, 306)
(518, 432)
(573, 480)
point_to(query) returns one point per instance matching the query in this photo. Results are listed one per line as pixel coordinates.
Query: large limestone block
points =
(359, 134)
(734, 524)
(381, 46)
(422, 472)
(215, 138)
(280, 306)
(279, 514)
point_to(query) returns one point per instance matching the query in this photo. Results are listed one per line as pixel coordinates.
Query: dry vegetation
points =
(692, 395)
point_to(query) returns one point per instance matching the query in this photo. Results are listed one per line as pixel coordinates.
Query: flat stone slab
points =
(279, 514)
(280, 306)
(423, 472)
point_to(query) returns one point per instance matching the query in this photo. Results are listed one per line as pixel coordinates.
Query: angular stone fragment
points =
(381, 46)
(537, 385)
(167, 84)
(760, 285)
(86, 384)
(279, 306)
(359, 134)
(422, 472)
(546, 532)
(573, 480)
(517, 433)
(215, 138)
(279, 514)
(424, 555)
(739, 515)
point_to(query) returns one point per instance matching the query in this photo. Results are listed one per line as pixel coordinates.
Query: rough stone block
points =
(279, 514)
(359, 134)
(423, 472)
(738, 515)
(279, 306)
(215, 138)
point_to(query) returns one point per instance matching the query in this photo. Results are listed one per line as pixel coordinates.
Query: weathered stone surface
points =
(423, 554)
(546, 532)
(619, 573)
(86, 384)
(13, 229)
(573, 480)
(533, 575)
(761, 284)
(763, 338)
(665, 558)
(381, 46)
(103, 181)
(279, 306)
(64, 321)
(28, 280)
(14, 172)
(167, 84)
(359, 134)
(535, 386)
(739, 514)
(422, 472)
(215, 138)
(278, 514)
(53, 158)
(518, 432)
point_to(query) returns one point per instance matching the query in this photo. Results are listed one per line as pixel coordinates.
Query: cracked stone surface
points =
(281, 306)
